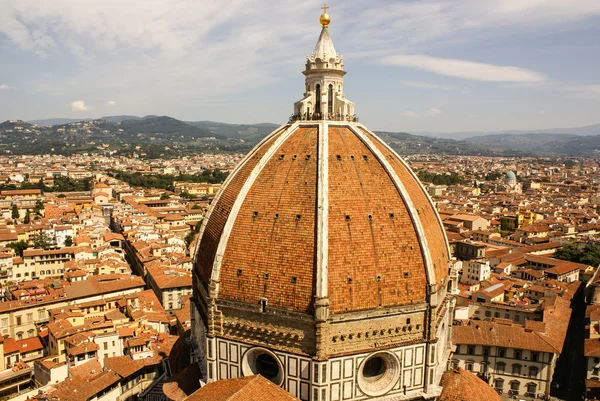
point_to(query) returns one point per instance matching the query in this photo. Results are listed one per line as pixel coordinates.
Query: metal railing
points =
(323, 116)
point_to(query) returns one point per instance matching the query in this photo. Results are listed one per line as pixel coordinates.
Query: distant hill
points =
(585, 130)
(162, 136)
(546, 144)
(406, 144)
(58, 121)
(252, 133)
(167, 127)
(119, 119)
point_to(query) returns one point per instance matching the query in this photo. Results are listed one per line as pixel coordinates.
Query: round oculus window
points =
(378, 374)
(260, 361)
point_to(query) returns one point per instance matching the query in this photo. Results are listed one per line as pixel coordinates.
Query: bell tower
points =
(324, 97)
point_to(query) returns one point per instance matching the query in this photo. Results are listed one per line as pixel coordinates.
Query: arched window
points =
(30, 333)
(330, 99)
(533, 371)
(499, 383)
(318, 102)
(20, 335)
(514, 385)
(531, 388)
(516, 369)
(500, 366)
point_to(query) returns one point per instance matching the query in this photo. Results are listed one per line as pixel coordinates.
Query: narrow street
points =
(569, 375)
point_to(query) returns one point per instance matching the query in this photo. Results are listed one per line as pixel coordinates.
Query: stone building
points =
(307, 278)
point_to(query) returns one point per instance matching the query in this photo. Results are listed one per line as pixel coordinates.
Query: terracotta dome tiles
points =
(375, 257)
(219, 214)
(270, 252)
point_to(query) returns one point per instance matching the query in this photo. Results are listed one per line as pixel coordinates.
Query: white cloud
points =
(581, 91)
(427, 113)
(111, 103)
(78, 105)
(120, 46)
(464, 69)
(432, 112)
(542, 111)
(3, 86)
(428, 85)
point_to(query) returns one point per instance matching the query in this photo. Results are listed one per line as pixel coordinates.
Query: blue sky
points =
(438, 65)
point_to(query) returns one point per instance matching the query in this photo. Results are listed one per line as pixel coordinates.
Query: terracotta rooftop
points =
(461, 385)
(251, 388)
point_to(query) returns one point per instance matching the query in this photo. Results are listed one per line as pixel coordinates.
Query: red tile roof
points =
(461, 385)
(251, 388)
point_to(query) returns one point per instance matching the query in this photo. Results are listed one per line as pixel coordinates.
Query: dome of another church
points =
(510, 175)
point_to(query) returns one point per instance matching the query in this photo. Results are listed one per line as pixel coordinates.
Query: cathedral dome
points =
(510, 175)
(322, 258)
(323, 210)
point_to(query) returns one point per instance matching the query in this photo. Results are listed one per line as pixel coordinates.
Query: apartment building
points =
(515, 358)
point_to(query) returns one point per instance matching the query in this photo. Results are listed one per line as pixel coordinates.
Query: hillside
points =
(406, 144)
(547, 144)
(591, 130)
(249, 133)
(163, 136)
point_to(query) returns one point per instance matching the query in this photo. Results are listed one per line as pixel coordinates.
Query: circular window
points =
(378, 373)
(260, 361)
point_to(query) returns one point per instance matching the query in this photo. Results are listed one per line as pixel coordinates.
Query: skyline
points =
(412, 66)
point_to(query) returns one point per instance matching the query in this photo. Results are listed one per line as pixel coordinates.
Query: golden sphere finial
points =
(325, 19)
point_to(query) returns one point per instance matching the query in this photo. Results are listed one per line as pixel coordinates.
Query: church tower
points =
(322, 263)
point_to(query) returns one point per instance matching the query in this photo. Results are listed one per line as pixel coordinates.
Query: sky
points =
(416, 66)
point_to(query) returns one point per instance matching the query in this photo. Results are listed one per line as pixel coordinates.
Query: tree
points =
(39, 206)
(568, 251)
(189, 238)
(15, 212)
(590, 255)
(164, 196)
(27, 219)
(18, 247)
(68, 240)
(41, 240)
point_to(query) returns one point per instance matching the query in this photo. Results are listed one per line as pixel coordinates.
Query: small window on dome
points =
(255, 214)
(347, 217)
(405, 274)
(349, 280)
(352, 157)
(365, 157)
(276, 215)
(378, 278)
(339, 157)
(281, 157)
(307, 157)
(391, 215)
(298, 216)
(266, 276)
(295, 157)
(263, 305)
(370, 217)
(239, 272)
(294, 280)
